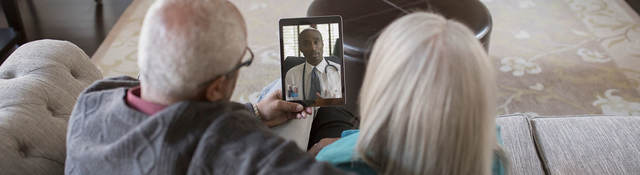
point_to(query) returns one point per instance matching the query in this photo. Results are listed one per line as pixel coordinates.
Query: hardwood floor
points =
(82, 22)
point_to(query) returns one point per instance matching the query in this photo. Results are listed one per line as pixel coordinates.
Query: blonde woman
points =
(427, 104)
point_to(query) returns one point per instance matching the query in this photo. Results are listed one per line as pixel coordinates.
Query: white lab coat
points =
(330, 80)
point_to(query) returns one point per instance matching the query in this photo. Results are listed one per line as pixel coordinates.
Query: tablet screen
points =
(312, 60)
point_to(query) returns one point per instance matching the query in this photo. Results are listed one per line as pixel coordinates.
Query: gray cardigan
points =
(106, 136)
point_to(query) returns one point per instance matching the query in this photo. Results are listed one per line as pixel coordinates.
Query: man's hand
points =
(320, 96)
(315, 149)
(275, 111)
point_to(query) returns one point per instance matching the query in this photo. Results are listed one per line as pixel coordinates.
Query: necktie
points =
(315, 84)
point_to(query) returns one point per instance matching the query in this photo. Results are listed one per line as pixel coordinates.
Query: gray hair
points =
(427, 101)
(184, 43)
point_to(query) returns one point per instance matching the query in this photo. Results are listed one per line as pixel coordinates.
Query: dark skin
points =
(311, 46)
(316, 148)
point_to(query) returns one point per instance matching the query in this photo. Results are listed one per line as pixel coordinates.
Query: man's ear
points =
(216, 90)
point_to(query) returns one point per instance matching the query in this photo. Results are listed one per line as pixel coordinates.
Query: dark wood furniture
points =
(635, 5)
(14, 34)
(364, 19)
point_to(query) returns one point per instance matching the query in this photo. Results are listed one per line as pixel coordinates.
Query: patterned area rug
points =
(552, 57)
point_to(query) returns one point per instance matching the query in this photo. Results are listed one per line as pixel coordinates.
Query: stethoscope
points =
(304, 71)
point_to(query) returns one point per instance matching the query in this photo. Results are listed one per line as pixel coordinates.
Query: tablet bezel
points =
(308, 21)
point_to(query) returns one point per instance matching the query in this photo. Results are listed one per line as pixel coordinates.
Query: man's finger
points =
(277, 94)
(289, 106)
(290, 116)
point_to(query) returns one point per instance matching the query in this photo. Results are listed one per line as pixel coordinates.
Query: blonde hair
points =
(427, 101)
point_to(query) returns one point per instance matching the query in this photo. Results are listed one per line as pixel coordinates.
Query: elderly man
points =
(178, 119)
(317, 77)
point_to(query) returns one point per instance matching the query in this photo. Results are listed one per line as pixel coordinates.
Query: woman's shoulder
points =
(341, 154)
(340, 151)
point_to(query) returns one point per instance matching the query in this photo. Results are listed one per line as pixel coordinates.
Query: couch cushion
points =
(39, 84)
(589, 144)
(518, 145)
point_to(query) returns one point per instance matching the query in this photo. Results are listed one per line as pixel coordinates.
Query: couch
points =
(40, 81)
(581, 144)
(39, 84)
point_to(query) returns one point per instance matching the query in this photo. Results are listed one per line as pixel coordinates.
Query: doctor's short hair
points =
(427, 101)
(184, 43)
(307, 30)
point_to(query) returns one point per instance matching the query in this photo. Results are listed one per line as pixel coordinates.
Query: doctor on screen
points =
(317, 77)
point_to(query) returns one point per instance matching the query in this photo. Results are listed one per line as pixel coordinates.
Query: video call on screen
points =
(312, 63)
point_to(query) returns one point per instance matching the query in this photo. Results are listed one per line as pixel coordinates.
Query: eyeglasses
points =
(246, 60)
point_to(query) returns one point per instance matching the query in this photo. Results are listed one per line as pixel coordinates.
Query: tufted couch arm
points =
(39, 85)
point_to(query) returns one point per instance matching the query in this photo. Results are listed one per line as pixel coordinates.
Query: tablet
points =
(311, 60)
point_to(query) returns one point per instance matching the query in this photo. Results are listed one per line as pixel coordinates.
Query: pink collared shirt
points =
(133, 100)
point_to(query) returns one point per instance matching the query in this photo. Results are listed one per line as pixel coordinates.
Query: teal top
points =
(341, 154)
